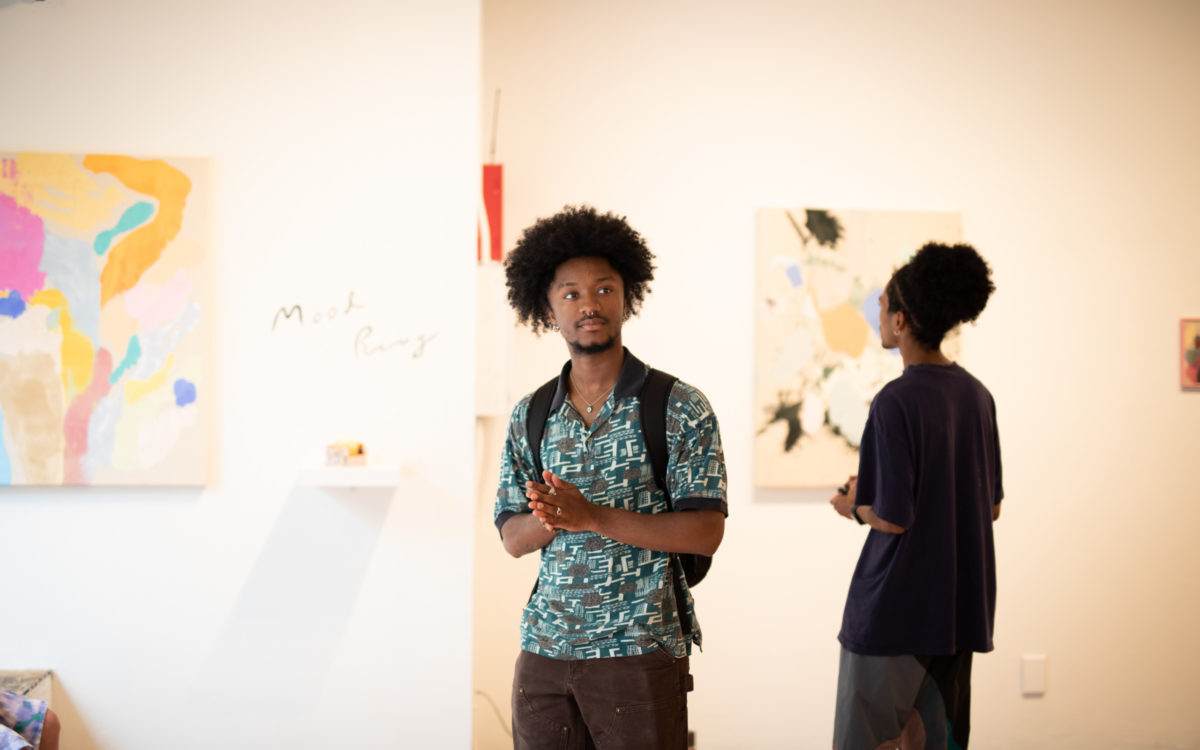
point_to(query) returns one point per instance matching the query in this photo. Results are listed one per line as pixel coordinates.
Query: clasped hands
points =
(843, 500)
(559, 505)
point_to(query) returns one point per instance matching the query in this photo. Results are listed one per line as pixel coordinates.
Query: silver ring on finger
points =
(558, 511)
(552, 491)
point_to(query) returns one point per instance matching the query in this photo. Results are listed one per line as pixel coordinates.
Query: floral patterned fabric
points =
(21, 721)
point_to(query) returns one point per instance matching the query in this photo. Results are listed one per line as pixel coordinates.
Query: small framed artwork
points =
(1189, 353)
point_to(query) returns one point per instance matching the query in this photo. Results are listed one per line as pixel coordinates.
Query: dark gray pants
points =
(904, 702)
(621, 703)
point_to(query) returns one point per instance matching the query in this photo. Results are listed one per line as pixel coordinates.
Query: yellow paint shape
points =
(141, 248)
(845, 329)
(78, 356)
(135, 390)
(57, 189)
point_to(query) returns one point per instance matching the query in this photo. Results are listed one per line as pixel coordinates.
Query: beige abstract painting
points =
(103, 311)
(817, 351)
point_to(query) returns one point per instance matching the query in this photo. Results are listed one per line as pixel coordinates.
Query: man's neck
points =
(914, 354)
(594, 372)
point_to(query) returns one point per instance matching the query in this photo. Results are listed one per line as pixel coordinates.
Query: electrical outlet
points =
(1033, 675)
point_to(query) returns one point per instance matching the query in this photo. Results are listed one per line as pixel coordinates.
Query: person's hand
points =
(558, 504)
(843, 499)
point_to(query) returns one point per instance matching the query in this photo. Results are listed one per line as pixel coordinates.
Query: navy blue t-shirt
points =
(930, 463)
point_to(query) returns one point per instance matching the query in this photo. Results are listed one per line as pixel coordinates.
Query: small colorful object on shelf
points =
(345, 453)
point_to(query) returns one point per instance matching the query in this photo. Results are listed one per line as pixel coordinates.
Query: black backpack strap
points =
(535, 422)
(655, 392)
(535, 427)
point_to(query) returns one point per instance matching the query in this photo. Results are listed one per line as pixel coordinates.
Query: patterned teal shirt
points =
(596, 597)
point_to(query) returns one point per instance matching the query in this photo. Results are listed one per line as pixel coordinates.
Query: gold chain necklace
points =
(579, 392)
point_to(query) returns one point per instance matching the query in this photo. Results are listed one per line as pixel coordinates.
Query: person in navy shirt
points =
(922, 598)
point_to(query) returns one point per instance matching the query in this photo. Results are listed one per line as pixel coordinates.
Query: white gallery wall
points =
(1065, 134)
(257, 611)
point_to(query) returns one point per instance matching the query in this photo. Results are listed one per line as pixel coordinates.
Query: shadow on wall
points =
(295, 605)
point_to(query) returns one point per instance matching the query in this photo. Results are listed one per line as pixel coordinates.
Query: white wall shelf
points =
(382, 475)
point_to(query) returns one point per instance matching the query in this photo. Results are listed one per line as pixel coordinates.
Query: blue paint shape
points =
(134, 216)
(794, 276)
(5, 464)
(870, 309)
(133, 353)
(12, 305)
(185, 392)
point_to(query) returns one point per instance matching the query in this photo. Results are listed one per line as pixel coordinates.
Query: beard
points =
(597, 348)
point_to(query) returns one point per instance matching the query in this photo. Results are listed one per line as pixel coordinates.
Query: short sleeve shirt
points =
(929, 462)
(597, 597)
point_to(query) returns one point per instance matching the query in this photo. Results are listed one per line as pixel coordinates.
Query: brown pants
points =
(621, 703)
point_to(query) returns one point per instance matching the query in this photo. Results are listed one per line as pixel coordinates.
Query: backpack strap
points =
(535, 422)
(535, 427)
(655, 392)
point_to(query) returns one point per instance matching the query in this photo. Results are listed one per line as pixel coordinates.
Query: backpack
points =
(654, 394)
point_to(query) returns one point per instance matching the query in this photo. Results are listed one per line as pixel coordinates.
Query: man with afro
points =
(607, 632)
(923, 597)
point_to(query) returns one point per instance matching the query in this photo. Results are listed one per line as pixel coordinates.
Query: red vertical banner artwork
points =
(491, 225)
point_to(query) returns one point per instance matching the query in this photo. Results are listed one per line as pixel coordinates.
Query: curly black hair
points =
(574, 232)
(940, 287)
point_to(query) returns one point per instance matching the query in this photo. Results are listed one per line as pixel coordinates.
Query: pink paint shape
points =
(79, 414)
(22, 237)
(155, 306)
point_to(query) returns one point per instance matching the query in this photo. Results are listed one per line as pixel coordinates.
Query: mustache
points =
(590, 316)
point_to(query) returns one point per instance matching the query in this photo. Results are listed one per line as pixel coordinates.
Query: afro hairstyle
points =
(574, 232)
(939, 288)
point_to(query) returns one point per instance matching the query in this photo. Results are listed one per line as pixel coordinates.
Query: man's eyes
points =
(601, 290)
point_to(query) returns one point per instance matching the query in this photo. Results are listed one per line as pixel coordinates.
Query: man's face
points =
(587, 303)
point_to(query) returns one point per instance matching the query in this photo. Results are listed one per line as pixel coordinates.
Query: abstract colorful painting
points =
(818, 353)
(103, 300)
(1189, 353)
